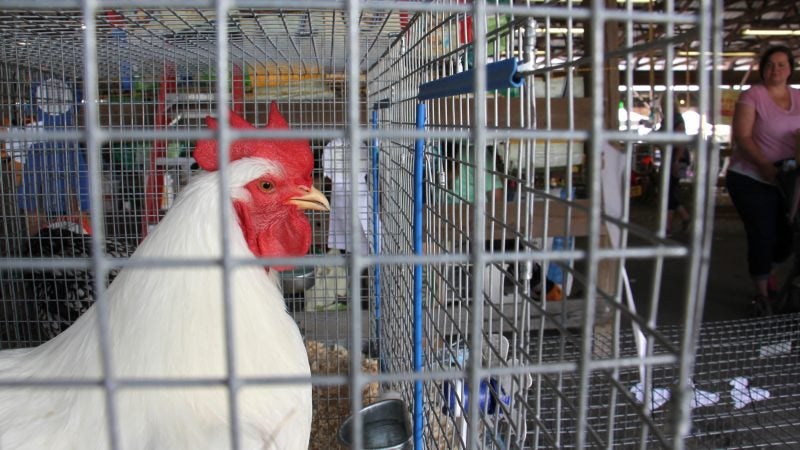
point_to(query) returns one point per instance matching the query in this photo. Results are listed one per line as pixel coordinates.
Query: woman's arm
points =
(744, 118)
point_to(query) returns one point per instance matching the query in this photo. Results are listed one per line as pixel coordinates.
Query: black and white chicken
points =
(59, 296)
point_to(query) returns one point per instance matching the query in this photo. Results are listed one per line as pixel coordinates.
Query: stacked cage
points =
(473, 262)
(522, 302)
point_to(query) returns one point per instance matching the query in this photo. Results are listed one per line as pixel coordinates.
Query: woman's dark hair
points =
(762, 63)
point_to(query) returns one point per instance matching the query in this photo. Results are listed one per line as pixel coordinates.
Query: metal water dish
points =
(386, 426)
(297, 280)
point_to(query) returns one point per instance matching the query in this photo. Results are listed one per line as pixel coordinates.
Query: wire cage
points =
(473, 261)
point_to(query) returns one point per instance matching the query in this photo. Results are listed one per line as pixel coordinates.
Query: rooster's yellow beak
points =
(310, 198)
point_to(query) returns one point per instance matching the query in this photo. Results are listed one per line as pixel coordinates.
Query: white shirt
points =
(336, 166)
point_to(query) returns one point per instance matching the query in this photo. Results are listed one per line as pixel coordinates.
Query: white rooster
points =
(168, 323)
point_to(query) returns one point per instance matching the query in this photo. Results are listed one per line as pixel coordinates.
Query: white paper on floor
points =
(702, 398)
(658, 396)
(743, 394)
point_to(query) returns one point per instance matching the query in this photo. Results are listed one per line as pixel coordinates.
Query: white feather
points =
(169, 323)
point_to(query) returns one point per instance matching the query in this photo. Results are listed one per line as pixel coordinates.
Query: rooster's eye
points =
(265, 186)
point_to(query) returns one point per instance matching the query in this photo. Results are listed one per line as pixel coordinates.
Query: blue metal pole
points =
(499, 75)
(419, 157)
(376, 240)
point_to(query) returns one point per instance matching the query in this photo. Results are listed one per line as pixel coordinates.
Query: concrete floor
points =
(729, 288)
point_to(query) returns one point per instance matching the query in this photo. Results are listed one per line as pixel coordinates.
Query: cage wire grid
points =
(534, 321)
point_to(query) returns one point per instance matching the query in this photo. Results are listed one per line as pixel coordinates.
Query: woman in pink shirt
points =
(766, 119)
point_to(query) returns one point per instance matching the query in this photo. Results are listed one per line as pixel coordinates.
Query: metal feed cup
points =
(386, 426)
(297, 280)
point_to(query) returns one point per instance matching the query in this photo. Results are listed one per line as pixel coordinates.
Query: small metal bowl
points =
(386, 426)
(297, 280)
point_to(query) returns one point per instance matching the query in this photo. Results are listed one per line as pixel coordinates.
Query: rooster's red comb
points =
(205, 152)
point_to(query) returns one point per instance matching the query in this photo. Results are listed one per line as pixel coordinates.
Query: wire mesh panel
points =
(150, 85)
(524, 303)
(477, 159)
(170, 89)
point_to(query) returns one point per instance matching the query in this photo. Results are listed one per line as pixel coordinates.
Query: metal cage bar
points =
(490, 292)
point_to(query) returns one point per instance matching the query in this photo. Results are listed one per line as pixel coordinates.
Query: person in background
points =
(460, 169)
(680, 154)
(336, 167)
(765, 121)
(13, 152)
